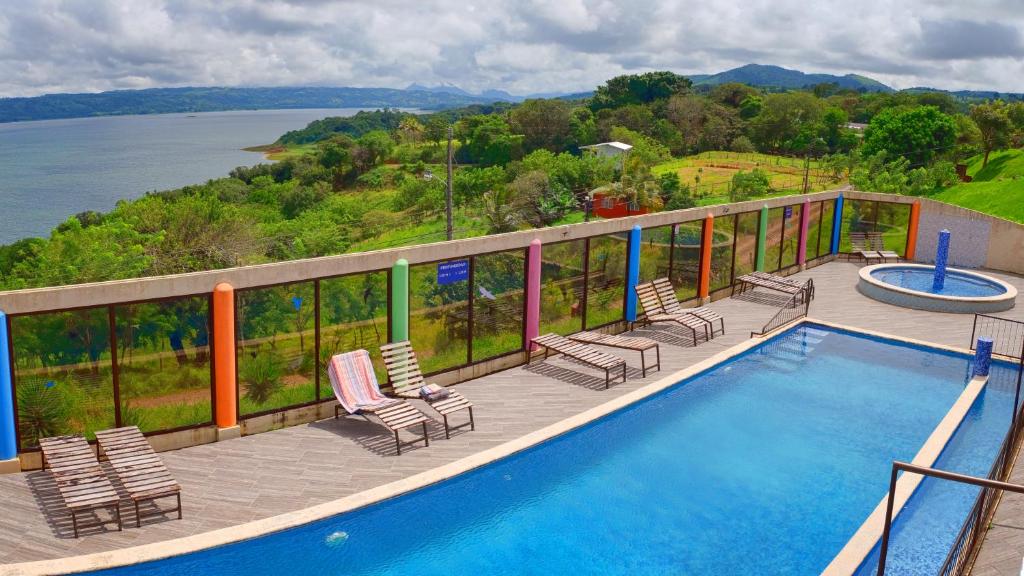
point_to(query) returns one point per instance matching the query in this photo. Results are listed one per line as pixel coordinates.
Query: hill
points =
(997, 189)
(778, 77)
(170, 100)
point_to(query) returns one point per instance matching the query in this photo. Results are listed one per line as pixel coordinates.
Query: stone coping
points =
(900, 296)
(262, 527)
(863, 541)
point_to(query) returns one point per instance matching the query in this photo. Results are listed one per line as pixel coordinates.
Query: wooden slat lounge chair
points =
(654, 312)
(406, 379)
(770, 282)
(139, 468)
(671, 304)
(877, 243)
(355, 386)
(582, 353)
(636, 343)
(81, 482)
(860, 246)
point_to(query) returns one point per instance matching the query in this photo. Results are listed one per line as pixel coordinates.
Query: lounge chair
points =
(655, 312)
(582, 353)
(140, 470)
(772, 282)
(860, 246)
(877, 243)
(81, 482)
(407, 380)
(671, 304)
(635, 343)
(355, 386)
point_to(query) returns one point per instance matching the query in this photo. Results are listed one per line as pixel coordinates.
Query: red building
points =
(609, 207)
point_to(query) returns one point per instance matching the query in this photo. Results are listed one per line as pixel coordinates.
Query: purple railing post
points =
(533, 265)
(801, 250)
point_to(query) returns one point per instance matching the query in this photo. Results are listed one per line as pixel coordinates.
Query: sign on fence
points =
(787, 213)
(452, 272)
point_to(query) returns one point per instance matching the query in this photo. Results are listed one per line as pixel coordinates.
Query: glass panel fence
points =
(607, 279)
(892, 221)
(439, 314)
(276, 347)
(63, 374)
(828, 215)
(498, 284)
(655, 253)
(813, 229)
(858, 216)
(722, 239)
(561, 287)
(746, 243)
(163, 363)
(353, 315)
(686, 259)
(773, 247)
(791, 234)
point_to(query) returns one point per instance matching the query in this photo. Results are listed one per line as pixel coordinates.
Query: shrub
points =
(681, 199)
(42, 412)
(262, 376)
(742, 144)
(749, 185)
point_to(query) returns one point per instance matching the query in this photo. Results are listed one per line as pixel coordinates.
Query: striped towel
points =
(354, 383)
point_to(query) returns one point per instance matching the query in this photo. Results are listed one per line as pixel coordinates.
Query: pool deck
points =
(237, 481)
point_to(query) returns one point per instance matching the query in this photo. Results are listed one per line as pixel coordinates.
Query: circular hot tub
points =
(910, 286)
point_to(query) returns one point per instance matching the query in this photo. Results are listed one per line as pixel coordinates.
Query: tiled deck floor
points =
(266, 474)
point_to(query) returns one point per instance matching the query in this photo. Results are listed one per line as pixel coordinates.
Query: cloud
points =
(522, 46)
(966, 40)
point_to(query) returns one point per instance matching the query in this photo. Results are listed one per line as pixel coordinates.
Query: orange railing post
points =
(225, 387)
(915, 217)
(707, 239)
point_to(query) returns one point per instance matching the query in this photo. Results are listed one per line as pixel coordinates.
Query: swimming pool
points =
(766, 464)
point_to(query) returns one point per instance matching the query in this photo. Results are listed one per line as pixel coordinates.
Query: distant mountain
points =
(170, 100)
(970, 95)
(778, 77)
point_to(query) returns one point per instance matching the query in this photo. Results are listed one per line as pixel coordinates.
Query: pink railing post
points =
(801, 250)
(532, 329)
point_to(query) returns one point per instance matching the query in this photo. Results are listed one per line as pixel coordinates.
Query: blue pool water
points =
(921, 279)
(766, 464)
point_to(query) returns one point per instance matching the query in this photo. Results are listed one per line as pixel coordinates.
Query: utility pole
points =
(448, 187)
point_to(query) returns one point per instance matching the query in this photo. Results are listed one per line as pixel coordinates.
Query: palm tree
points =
(637, 186)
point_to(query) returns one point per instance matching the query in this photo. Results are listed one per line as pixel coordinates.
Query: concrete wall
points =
(978, 240)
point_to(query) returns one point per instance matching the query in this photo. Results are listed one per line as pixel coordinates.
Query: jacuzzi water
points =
(921, 280)
(766, 464)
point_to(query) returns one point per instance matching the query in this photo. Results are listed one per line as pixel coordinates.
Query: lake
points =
(52, 169)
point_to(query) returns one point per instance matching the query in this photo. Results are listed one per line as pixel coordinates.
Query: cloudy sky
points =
(524, 46)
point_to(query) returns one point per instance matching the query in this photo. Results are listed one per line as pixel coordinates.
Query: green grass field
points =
(997, 189)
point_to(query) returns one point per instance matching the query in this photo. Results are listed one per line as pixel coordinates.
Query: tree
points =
(786, 120)
(917, 134)
(541, 203)
(638, 89)
(968, 138)
(732, 94)
(749, 185)
(994, 125)
(490, 140)
(501, 211)
(543, 123)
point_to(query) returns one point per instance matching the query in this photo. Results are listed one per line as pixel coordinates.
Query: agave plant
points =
(262, 376)
(42, 411)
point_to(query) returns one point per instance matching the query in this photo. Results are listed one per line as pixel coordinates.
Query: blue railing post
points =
(8, 442)
(632, 273)
(982, 356)
(837, 224)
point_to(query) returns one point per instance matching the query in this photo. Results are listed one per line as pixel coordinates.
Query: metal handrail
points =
(897, 467)
(781, 318)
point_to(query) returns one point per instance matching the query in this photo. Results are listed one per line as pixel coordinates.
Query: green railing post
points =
(762, 238)
(400, 300)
